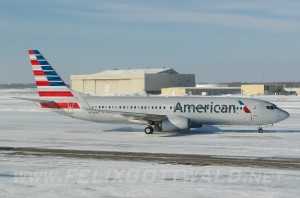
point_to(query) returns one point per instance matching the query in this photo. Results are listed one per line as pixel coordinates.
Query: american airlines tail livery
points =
(156, 113)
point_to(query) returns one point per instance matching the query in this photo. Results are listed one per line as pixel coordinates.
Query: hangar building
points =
(130, 81)
(292, 89)
(261, 89)
(178, 91)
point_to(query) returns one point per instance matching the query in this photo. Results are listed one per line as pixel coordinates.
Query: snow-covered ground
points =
(68, 177)
(22, 124)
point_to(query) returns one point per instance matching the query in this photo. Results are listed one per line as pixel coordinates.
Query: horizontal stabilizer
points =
(33, 99)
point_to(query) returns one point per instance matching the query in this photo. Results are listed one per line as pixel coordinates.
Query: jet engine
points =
(176, 123)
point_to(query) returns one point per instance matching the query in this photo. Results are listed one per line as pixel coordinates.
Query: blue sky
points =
(219, 41)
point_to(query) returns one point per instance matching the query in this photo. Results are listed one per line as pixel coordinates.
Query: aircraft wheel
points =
(260, 130)
(149, 130)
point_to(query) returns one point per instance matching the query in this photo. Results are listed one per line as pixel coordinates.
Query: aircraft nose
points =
(283, 115)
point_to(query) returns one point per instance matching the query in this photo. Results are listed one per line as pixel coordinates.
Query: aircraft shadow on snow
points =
(206, 129)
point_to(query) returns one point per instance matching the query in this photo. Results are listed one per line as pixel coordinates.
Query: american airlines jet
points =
(156, 113)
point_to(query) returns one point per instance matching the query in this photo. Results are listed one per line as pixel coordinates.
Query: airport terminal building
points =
(130, 81)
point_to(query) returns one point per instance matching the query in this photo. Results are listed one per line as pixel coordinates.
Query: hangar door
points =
(106, 87)
(125, 86)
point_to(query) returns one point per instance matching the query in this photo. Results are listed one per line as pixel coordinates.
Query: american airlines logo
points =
(208, 108)
(245, 108)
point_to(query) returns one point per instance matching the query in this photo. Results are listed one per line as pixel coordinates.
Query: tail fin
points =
(49, 84)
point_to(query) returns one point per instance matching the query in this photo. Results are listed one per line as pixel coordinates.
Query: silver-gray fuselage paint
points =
(200, 110)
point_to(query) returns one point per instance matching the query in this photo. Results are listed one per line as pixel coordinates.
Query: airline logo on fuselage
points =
(207, 108)
(245, 108)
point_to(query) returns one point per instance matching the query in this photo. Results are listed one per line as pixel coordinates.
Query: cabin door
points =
(254, 111)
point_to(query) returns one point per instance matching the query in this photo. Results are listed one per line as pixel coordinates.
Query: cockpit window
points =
(272, 107)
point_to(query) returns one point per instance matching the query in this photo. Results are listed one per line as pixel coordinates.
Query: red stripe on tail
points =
(35, 62)
(42, 83)
(55, 94)
(60, 105)
(38, 73)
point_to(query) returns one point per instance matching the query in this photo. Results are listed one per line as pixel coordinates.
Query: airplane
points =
(158, 113)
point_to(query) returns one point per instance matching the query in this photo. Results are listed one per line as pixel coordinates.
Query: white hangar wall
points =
(130, 81)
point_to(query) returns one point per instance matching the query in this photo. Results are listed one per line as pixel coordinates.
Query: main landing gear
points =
(260, 129)
(149, 129)
(153, 127)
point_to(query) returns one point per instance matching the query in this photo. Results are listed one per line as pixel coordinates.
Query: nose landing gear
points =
(260, 129)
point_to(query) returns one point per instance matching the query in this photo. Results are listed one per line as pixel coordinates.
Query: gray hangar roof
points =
(138, 71)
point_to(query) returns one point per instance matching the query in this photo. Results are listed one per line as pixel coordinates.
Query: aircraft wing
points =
(143, 116)
(136, 116)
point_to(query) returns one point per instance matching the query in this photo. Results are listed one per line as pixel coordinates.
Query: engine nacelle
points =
(176, 123)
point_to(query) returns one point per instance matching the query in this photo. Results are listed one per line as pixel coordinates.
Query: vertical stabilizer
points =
(49, 84)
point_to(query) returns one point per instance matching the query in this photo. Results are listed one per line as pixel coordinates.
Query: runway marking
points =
(183, 159)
